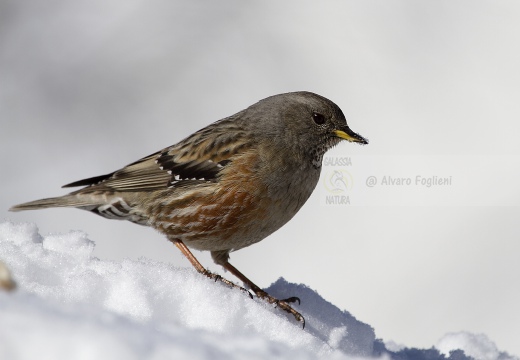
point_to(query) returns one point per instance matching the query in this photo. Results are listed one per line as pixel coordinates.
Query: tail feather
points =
(62, 201)
(115, 208)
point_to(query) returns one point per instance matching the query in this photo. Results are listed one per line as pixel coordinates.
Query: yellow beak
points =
(349, 135)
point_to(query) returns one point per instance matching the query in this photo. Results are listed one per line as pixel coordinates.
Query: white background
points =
(89, 86)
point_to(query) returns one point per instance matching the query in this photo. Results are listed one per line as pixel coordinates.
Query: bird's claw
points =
(292, 299)
(284, 305)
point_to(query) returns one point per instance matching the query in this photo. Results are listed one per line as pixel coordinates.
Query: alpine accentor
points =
(227, 186)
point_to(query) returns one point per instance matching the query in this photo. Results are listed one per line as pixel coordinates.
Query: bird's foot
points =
(283, 304)
(231, 284)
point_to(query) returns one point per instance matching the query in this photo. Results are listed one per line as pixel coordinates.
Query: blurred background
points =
(88, 86)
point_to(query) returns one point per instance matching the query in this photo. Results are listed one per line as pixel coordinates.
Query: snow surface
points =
(71, 305)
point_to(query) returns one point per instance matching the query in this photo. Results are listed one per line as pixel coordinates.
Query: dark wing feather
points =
(90, 181)
(197, 159)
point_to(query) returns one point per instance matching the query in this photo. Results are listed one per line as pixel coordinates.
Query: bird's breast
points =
(251, 200)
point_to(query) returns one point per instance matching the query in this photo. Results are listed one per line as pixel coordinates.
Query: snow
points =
(477, 346)
(71, 305)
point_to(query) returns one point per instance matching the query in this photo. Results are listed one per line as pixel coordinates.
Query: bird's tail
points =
(61, 201)
(114, 207)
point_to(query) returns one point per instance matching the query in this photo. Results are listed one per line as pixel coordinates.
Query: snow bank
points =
(71, 305)
(478, 346)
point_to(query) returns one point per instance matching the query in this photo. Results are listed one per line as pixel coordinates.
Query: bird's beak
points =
(351, 136)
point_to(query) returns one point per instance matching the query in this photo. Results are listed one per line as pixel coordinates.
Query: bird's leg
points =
(201, 269)
(282, 304)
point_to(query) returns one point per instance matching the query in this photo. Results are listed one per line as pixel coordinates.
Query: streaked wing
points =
(197, 159)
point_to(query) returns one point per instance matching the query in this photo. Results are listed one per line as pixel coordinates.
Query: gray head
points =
(304, 122)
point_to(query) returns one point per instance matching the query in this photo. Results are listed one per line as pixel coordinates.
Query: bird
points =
(225, 187)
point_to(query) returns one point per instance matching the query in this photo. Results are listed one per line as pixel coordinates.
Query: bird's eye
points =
(318, 118)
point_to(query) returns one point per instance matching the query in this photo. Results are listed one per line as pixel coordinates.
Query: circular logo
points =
(338, 181)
